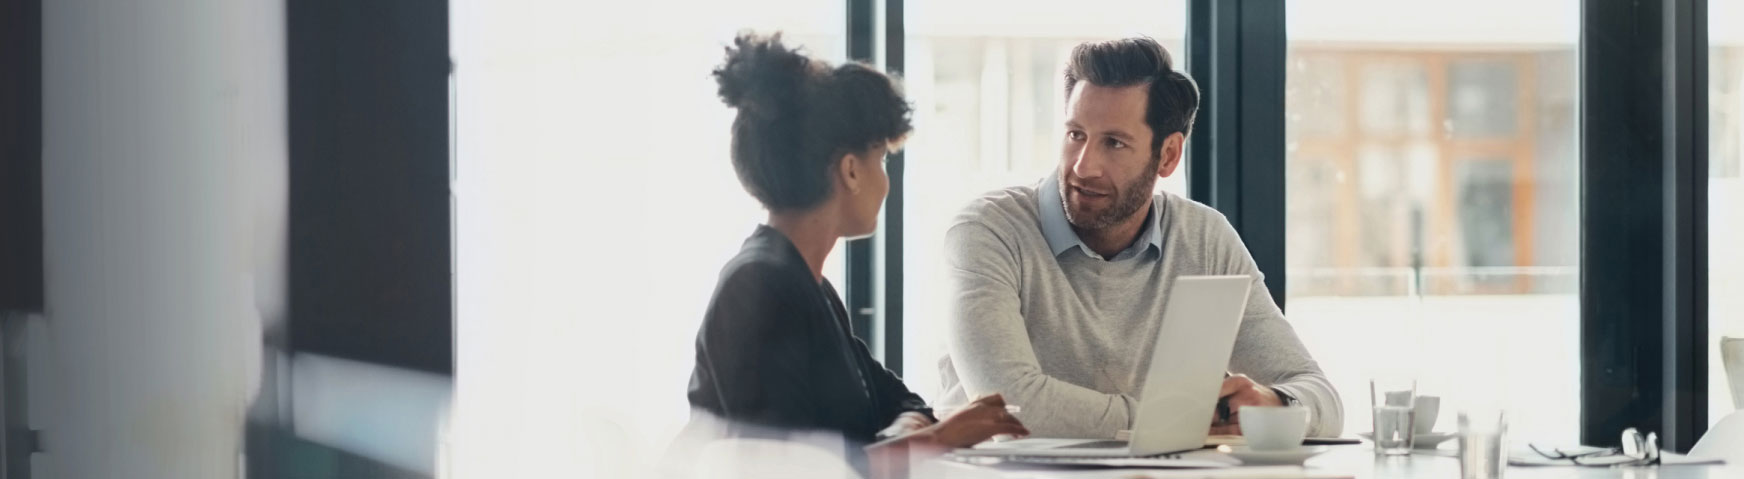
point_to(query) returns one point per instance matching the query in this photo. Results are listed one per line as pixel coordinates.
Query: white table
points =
(1360, 461)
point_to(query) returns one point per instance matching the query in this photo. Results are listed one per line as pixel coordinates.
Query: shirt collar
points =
(1058, 231)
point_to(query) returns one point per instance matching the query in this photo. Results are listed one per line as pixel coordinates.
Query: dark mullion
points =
(861, 266)
(1224, 85)
(1685, 222)
(1644, 179)
(1261, 176)
(1199, 161)
(894, 45)
(862, 20)
(21, 224)
(1236, 54)
(1620, 232)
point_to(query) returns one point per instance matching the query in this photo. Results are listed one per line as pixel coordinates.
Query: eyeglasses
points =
(1640, 451)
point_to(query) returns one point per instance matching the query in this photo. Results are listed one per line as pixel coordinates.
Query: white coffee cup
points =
(1274, 428)
(1425, 412)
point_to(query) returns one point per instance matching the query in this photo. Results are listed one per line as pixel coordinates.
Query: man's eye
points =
(1116, 144)
(1075, 136)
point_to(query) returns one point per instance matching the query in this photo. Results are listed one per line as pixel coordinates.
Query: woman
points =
(774, 354)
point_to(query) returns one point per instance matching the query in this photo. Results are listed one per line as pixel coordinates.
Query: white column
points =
(163, 180)
(996, 108)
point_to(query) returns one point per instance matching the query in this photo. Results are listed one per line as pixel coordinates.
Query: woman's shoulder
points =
(765, 279)
(766, 257)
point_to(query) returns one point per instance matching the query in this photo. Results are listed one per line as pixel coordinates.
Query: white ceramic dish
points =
(1286, 457)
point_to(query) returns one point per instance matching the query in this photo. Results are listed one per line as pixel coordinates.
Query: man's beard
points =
(1129, 198)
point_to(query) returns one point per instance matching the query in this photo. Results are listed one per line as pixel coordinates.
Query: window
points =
(1432, 202)
(1725, 204)
(986, 80)
(594, 208)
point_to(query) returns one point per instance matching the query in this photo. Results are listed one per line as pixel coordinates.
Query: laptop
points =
(1174, 412)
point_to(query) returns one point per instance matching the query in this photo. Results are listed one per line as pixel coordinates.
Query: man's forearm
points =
(1056, 408)
(1316, 393)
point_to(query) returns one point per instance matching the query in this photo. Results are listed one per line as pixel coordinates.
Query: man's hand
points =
(1240, 391)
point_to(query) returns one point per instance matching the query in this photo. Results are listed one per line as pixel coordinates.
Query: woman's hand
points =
(905, 424)
(978, 421)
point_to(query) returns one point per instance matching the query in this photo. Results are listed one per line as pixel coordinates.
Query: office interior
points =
(428, 239)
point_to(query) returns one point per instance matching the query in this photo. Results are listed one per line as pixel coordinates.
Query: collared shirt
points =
(1060, 236)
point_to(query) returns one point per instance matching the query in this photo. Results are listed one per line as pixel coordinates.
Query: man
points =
(1058, 288)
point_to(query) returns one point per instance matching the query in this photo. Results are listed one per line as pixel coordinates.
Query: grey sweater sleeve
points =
(991, 345)
(1266, 347)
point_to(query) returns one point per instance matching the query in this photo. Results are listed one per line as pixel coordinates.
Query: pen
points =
(1223, 412)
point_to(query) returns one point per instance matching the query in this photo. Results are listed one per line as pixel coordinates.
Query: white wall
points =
(594, 206)
(163, 182)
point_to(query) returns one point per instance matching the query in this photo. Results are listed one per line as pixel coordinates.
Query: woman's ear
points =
(848, 173)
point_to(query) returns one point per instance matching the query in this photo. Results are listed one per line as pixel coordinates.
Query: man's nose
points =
(1085, 163)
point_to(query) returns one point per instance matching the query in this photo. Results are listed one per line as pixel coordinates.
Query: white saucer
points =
(1288, 457)
(1419, 441)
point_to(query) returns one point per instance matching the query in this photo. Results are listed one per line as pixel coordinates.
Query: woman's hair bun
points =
(764, 77)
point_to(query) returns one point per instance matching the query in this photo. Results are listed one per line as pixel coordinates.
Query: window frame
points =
(1643, 223)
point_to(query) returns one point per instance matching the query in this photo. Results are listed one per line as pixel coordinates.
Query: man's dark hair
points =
(797, 116)
(1172, 97)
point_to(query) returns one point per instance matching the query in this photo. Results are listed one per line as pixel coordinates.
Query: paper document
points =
(1030, 443)
(1132, 462)
(1236, 440)
(1232, 440)
(1529, 458)
(1271, 472)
